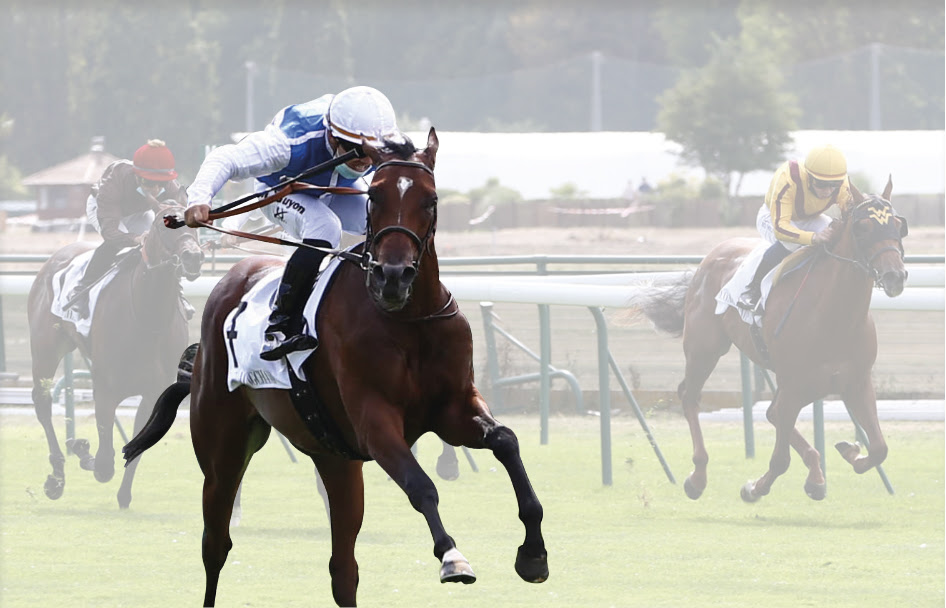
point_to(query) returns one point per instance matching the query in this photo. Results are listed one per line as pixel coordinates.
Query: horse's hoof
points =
(816, 491)
(691, 490)
(124, 500)
(532, 569)
(849, 451)
(448, 468)
(81, 448)
(105, 472)
(54, 487)
(455, 568)
(746, 492)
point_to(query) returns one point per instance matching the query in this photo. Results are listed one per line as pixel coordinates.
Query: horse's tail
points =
(165, 409)
(662, 303)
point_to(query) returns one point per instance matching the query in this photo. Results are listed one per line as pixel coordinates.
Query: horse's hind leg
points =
(861, 403)
(46, 355)
(345, 488)
(702, 354)
(448, 466)
(224, 442)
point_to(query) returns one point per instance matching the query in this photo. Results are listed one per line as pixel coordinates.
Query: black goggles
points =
(348, 146)
(150, 183)
(823, 184)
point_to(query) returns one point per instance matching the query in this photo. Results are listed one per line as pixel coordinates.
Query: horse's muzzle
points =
(390, 285)
(893, 281)
(191, 261)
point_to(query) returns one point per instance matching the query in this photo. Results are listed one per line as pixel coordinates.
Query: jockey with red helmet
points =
(793, 213)
(299, 138)
(122, 207)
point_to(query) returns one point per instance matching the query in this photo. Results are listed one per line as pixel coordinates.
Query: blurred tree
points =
(731, 116)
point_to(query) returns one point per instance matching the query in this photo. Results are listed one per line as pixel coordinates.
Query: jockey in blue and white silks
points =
(299, 138)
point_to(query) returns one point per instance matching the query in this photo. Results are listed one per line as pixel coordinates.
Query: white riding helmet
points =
(361, 112)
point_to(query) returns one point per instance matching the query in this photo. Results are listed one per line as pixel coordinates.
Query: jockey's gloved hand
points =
(824, 237)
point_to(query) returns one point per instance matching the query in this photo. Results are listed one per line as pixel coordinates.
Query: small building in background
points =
(62, 190)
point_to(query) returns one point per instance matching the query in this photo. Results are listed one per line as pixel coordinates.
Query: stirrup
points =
(276, 345)
(749, 302)
(80, 302)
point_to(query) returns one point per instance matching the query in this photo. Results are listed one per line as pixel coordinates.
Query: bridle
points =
(887, 232)
(372, 238)
(172, 259)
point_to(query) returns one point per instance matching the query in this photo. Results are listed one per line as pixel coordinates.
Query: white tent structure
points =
(603, 164)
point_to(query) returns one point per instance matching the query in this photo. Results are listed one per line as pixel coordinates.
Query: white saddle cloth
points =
(736, 286)
(63, 283)
(243, 347)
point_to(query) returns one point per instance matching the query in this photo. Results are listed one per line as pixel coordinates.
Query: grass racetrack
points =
(640, 542)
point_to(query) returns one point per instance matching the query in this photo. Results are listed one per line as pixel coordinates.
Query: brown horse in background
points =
(395, 361)
(138, 327)
(817, 330)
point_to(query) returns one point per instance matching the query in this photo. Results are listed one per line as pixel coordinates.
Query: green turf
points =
(640, 542)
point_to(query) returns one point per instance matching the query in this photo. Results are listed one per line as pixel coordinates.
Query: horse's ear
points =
(856, 196)
(888, 188)
(433, 144)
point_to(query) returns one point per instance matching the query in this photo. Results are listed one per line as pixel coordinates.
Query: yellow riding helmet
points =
(826, 163)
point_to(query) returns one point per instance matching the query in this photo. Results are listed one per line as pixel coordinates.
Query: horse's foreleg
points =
(141, 417)
(861, 403)
(43, 405)
(531, 559)
(784, 414)
(815, 486)
(105, 407)
(387, 446)
(345, 491)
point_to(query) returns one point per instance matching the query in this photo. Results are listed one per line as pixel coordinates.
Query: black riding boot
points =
(101, 260)
(284, 334)
(770, 259)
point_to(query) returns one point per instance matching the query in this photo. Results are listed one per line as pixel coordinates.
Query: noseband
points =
(372, 238)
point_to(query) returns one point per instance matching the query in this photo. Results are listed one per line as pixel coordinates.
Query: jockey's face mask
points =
(150, 187)
(354, 168)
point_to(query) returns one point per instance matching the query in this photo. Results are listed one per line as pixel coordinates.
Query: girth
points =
(317, 419)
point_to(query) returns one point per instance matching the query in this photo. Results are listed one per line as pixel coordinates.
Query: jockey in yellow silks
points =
(793, 214)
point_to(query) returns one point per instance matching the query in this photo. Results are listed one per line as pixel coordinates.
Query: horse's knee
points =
(502, 442)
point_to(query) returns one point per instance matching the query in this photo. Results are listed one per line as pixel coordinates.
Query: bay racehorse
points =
(138, 326)
(394, 361)
(817, 335)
